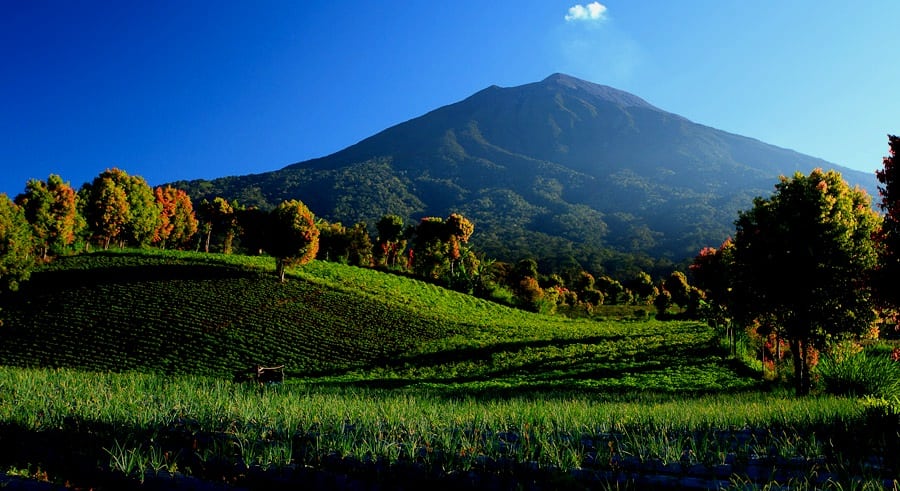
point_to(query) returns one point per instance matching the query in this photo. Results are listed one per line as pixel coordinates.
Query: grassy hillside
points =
(189, 313)
(212, 315)
(393, 382)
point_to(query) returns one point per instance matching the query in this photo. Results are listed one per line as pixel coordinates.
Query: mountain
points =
(562, 169)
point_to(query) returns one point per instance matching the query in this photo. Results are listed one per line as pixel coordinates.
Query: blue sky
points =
(187, 89)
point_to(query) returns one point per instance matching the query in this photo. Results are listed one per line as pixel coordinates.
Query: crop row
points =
(144, 311)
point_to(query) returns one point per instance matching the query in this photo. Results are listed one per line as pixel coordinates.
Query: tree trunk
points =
(279, 268)
(776, 354)
(801, 370)
(227, 243)
(806, 381)
(733, 335)
(208, 235)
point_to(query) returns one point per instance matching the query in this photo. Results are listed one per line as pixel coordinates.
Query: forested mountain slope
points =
(562, 169)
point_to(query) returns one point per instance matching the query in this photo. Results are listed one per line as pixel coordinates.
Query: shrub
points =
(860, 375)
(881, 413)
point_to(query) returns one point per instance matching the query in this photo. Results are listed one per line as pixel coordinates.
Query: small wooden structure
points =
(261, 375)
(265, 375)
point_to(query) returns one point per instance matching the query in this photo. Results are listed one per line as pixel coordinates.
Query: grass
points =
(185, 313)
(138, 420)
(867, 373)
(120, 363)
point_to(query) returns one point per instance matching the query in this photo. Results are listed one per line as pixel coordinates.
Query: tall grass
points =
(146, 421)
(860, 374)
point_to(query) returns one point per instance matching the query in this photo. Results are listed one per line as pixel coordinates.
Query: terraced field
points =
(120, 312)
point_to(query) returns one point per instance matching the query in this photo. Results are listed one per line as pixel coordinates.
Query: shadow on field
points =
(57, 281)
(506, 370)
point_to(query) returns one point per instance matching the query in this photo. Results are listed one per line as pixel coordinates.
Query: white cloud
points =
(591, 11)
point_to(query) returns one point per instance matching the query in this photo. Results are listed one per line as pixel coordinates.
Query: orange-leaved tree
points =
(177, 223)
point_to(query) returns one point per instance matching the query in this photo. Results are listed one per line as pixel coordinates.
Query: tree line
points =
(809, 266)
(50, 218)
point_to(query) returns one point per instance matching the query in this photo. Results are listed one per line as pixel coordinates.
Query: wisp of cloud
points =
(591, 11)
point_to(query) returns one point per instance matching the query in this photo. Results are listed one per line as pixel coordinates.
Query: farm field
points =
(116, 372)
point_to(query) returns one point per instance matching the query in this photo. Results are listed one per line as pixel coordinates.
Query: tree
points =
(391, 239)
(333, 241)
(105, 208)
(677, 285)
(294, 238)
(611, 288)
(433, 246)
(711, 271)
(642, 287)
(339, 243)
(177, 223)
(220, 216)
(889, 236)
(15, 245)
(253, 224)
(803, 257)
(143, 210)
(50, 208)
(360, 248)
(525, 268)
(662, 302)
(122, 208)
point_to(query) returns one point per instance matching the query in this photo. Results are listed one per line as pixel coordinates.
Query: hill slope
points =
(213, 315)
(559, 168)
(187, 314)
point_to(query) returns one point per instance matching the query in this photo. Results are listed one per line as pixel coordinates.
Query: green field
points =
(121, 363)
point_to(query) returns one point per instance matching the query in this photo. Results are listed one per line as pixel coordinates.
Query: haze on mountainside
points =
(562, 169)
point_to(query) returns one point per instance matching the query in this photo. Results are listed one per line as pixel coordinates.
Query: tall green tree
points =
(803, 256)
(349, 245)
(889, 236)
(440, 248)
(677, 285)
(220, 217)
(360, 250)
(50, 208)
(294, 238)
(642, 287)
(144, 212)
(16, 258)
(105, 209)
(121, 207)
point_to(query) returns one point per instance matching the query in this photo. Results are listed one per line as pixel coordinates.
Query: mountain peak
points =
(610, 94)
(561, 168)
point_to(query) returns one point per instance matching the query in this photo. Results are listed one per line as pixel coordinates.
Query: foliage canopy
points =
(803, 256)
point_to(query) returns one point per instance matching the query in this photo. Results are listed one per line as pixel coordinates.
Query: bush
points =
(860, 375)
(882, 414)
